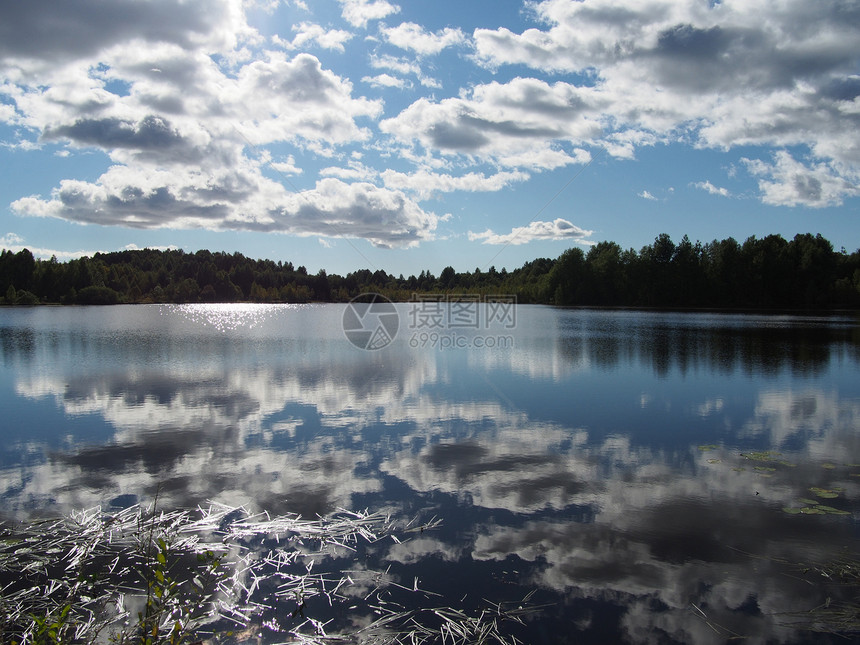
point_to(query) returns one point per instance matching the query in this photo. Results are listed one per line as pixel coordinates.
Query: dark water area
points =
(651, 477)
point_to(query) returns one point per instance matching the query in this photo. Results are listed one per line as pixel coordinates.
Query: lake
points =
(652, 477)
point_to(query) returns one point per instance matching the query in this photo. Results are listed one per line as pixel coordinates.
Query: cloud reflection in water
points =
(603, 452)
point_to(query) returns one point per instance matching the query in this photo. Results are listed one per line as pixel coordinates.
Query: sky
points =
(414, 135)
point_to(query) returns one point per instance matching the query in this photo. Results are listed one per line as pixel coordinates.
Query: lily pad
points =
(763, 455)
(828, 466)
(714, 461)
(764, 469)
(791, 510)
(811, 510)
(824, 493)
(832, 511)
(807, 501)
(707, 447)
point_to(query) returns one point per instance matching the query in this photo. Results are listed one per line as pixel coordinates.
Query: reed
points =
(220, 574)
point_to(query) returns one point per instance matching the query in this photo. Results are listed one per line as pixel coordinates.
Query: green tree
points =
(768, 272)
(446, 278)
(659, 278)
(687, 277)
(95, 295)
(567, 278)
(186, 291)
(606, 274)
(814, 263)
(723, 271)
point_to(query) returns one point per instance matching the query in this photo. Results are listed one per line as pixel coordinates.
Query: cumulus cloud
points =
(10, 240)
(359, 12)
(353, 170)
(413, 37)
(646, 195)
(425, 182)
(708, 187)
(287, 166)
(386, 80)
(788, 182)
(46, 31)
(558, 229)
(403, 66)
(400, 65)
(499, 122)
(179, 134)
(244, 201)
(183, 96)
(670, 67)
(293, 99)
(308, 33)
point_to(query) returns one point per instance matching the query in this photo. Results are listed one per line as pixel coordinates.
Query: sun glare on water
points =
(229, 316)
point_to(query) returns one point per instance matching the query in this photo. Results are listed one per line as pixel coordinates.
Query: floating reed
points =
(221, 574)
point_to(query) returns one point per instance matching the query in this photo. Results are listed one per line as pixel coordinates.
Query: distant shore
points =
(769, 274)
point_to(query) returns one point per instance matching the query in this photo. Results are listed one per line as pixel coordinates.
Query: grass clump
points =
(840, 612)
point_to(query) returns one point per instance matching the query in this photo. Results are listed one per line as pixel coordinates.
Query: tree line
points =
(771, 272)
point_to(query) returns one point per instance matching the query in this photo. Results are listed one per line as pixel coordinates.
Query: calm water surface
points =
(633, 468)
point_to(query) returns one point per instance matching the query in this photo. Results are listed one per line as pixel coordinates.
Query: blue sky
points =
(348, 134)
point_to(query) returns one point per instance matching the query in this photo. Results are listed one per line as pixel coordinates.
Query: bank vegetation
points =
(760, 273)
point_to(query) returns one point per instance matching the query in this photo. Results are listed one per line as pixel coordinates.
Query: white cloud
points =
(429, 81)
(245, 201)
(16, 243)
(559, 229)
(425, 183)
(83, 30)
(177, 137)
(308, 34)
(287, 166)
(400, 65)
(413, 37)
(354, 170)
(11, 239)
(788, 182)
(359, 12)
(135, 247)
(708, 187)
(501, 123)
(184, 96)
(386, 80)
(646, 195)
(403, 66)
(293, 99)
(716, 74)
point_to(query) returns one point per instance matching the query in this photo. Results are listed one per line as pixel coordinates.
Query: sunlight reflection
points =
(227, 316)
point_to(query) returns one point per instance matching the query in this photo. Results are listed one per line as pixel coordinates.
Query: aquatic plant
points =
(840, 612)
(220, 574)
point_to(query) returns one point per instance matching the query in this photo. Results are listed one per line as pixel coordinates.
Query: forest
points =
(767, 273)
